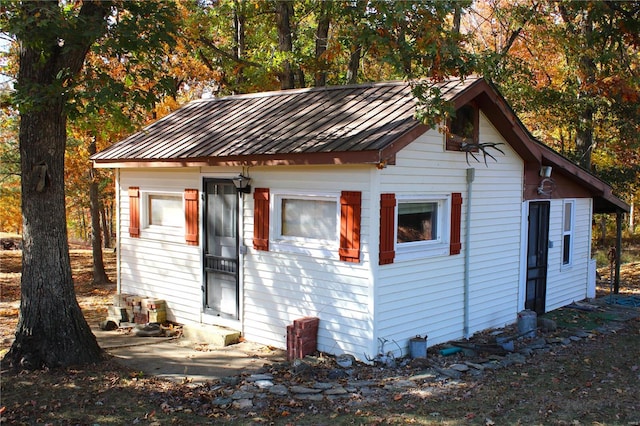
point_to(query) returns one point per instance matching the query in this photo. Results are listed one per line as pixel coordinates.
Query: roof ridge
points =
(302, 90)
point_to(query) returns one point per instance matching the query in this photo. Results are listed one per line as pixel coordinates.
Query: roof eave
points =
(374, 157)
(530, 149)
(600, 189)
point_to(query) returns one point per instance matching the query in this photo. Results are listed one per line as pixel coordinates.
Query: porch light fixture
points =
(242, 184)
(547, 185)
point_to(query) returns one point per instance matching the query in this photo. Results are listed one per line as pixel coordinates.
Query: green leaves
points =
(432, 109)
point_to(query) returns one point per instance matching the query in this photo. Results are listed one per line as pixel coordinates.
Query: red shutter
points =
(261, 219)
(350, 209)
(456, 215)
(191, 216)
(134, 212)
(387, 228)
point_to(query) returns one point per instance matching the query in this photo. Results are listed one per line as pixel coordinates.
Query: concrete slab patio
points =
(180, 360)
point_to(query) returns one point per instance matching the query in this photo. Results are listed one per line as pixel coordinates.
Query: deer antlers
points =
(469, 147)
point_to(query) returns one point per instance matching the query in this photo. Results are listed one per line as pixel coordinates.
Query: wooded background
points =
(570, 70)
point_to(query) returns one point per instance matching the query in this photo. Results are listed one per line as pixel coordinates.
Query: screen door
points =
(221, 289)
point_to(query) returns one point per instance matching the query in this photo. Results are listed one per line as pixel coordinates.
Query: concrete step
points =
(210, 334)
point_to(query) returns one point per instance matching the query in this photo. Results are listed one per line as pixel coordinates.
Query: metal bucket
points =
(527, 323)
(418, 347)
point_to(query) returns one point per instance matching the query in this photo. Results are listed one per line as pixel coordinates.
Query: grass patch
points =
(576, 319)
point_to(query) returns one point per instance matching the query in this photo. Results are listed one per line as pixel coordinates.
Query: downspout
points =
(118, 221)
(471, 175)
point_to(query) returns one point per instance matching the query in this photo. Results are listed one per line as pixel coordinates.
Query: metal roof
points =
(329, 125)
(327, 120)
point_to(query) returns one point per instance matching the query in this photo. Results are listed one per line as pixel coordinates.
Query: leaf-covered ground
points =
(92, 299)
(590, 382)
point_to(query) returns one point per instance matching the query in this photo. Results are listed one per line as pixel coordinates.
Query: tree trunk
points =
(586, 77)
(284, 11)
(106, 228)
(584, 138)
(322, 36)
(99, 274)
(457, 18)
(239, 20)
(51, 331)
(404, 53)
(354, 65)
(603, 230)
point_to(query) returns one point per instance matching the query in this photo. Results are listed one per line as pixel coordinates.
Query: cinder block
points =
(302, 337)
(153, 304)
(134, 300)
(118, 313)
(155, 315)
(210, 334)
(140, 318)
(120, 299)
(306, 323)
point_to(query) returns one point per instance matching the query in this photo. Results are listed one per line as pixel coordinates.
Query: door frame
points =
(208, 317)
(524, 264)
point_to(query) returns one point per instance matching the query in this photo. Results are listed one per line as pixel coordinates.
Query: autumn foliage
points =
(569, 69)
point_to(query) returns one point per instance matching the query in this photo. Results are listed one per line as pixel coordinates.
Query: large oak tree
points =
(54, 39)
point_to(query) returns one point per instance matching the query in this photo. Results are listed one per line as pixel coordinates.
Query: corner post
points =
(616, 285)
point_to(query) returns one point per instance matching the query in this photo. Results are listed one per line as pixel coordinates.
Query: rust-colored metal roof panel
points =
(330, 125)
(289, 122)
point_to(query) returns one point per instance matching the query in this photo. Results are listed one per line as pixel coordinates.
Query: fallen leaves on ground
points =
(593, 381)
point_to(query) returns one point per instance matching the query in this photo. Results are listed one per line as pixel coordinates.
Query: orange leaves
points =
(617, 87)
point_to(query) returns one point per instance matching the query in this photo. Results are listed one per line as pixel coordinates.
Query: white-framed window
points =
(306, 222)
(422, 227)
(162, 213)
(568, 213)
(165, 210)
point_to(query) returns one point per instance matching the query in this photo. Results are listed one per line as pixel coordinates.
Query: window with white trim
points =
(417, 221)
(309, 219)
(162, 215)
(304, 222)
(165, 210)
(421, 227)
(568, 212)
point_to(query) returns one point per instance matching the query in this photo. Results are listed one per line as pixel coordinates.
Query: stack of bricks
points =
(136, 309)
(302, 337)
(155, 310)
(119, 312)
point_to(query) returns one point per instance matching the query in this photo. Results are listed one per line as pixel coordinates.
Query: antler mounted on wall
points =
(470, 147)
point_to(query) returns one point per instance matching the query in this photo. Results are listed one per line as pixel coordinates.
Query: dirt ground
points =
(593, 381)
(92, 299)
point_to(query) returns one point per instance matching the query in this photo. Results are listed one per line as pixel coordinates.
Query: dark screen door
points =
(537, 254)
(221, 290)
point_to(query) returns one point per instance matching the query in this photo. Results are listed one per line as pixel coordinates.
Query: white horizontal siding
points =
(160, 179)
(566, 284)
(156, 265)
(279, 287)
(426, 296)
(363, 304)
